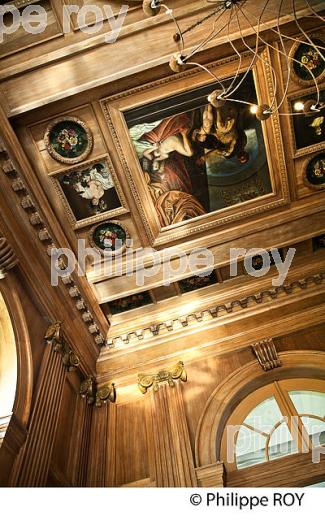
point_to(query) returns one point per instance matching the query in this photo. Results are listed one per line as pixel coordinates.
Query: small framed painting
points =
(129, 303)
(109, 237)
(308, 130)
(307, 61)
(90, 193)
(197, 282)
(192, 165)
(68, 140)
(319, 242)
(314, 175)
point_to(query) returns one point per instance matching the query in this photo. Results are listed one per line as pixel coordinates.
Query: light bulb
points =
(299, 106)
(253, 109)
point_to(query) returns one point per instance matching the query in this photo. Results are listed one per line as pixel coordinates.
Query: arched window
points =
(281, 419)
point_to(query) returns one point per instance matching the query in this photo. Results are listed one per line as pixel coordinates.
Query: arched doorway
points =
(8, 368)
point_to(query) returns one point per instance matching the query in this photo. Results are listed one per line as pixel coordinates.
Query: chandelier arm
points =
(293, 60)
(209, 38)
(171, 14)
(315, 12)
(277, 50)
(296, 40)
(303, 32)
(228, 89)
(209, 72)
(202, 20)
(231, 92)
(288, 63)
(255, 57)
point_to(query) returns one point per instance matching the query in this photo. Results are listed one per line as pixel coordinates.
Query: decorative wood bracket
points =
(8, 258)
(266, 354)
(146, 381)
(88, 390)
(55, 338)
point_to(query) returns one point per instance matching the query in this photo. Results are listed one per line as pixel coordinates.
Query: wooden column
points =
(173, 459)
(34, 461)
(211, 476)
(13, 441)
(98, 448)
(79, 444)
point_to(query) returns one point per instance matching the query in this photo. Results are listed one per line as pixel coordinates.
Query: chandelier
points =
(223, 14)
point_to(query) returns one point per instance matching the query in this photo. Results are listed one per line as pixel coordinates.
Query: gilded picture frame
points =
(317, 36)
(116, 106)
(297, 151)
(306, 165)
(87, 134)
(102, 216)
(113, 223)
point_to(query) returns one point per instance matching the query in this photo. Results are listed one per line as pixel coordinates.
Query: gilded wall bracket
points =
(146, 381)
(88, 390)
(54, 337)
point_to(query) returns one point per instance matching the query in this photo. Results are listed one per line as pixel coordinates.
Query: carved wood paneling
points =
(97, 461)
(266, 354)
(34, 460)
(173, 458)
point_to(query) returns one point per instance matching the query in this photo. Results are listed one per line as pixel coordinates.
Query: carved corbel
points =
(54, 337)
(105, 394)
(8, 258)
(146, 381)
(88, 390)
(266, 354)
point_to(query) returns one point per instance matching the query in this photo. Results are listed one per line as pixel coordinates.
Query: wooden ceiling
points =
(78, 75)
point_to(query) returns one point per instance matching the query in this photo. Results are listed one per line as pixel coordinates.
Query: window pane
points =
(315, 429)
(281, 443)
(319, 484)
(250, 448)
(265, 416)
(312, 403)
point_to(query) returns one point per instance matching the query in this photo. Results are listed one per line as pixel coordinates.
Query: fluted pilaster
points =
(35, 458)
(98, 448)
(79, 445)
(174, 466)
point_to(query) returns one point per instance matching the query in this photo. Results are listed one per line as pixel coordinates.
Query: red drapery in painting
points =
(176, 176)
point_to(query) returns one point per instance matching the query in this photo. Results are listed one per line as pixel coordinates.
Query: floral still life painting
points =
(194, 156)
(90, 191)
(308, 61)
(68, 140)
(109, 236)
(315, 171)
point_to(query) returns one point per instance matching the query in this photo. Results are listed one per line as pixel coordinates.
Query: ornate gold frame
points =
(304, 176)
(57, 156)
(78, 224)
(118, 223)
(293, 50)
(307, 149)
(114, 108)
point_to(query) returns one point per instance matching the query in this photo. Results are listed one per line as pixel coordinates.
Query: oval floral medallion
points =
(68, 140)
(308, 62)
(315, 172)
(109, 236)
